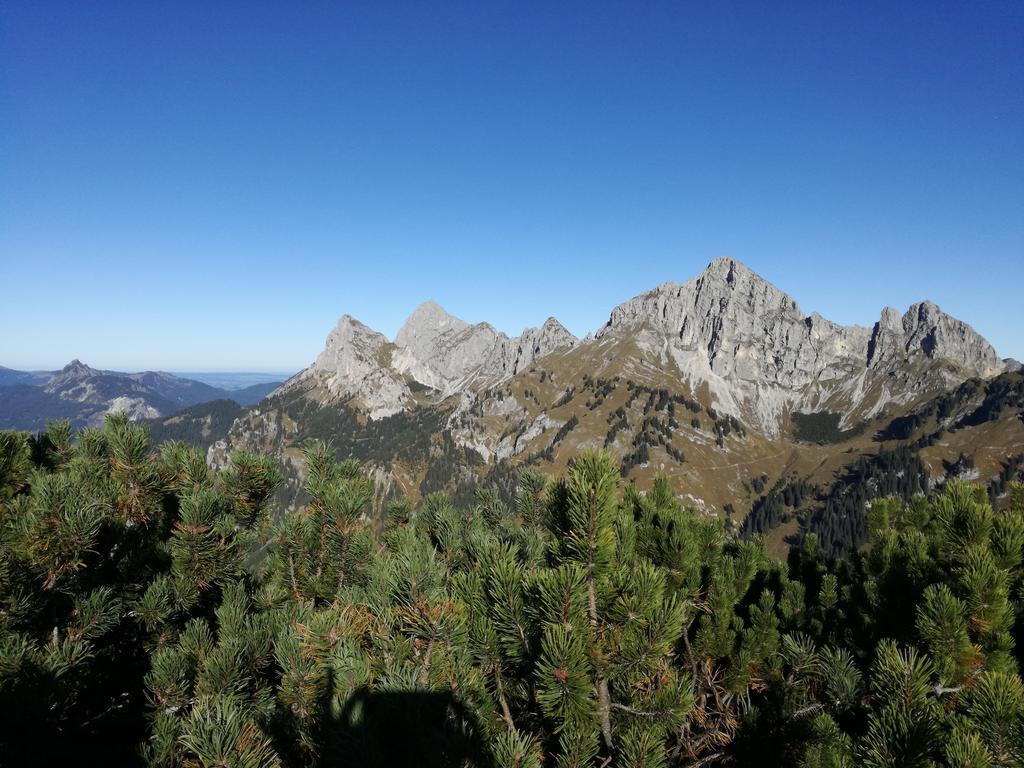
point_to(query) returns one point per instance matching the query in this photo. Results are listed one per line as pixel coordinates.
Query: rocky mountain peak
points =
(428, 321)
(511, 355)
(728, 280)
(351, 332)
(726, 290)
(73, 371)
(78, 368)
(760, 355)
(727, 270)
(356, 363)
(727, 328)
(924, 331)
(552, 324)
(433, 348)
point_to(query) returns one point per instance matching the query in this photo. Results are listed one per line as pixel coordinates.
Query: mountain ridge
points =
(715, 382)
(726, 328)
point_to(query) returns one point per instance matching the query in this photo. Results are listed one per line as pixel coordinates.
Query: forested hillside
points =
(151, 613)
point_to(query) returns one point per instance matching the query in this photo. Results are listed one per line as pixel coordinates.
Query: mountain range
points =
(783, 422)
(84, 395)
(721, 383)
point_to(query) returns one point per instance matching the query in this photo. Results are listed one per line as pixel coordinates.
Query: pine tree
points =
(152, 611)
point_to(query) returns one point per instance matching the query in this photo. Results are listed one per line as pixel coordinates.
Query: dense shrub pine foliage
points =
(152, 613)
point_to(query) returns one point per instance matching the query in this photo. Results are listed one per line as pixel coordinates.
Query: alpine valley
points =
(780, 422)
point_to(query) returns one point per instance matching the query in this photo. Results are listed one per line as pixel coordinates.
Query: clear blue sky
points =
(197, 185)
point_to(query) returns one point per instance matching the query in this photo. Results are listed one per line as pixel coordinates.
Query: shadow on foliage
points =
(406, 728)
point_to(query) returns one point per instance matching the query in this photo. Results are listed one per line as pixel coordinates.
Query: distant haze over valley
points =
(234, 380)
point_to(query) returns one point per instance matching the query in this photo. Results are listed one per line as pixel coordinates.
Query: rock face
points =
(760, 355)
(925, 331)
(448, 354)
(441, 351)
(741, 327)
(356, 362)
(727, 329)
(432, 350)
(510, 356)
(748, 329)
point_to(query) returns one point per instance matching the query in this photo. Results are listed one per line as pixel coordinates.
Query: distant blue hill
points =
(84, 395)
(9, 377)
(231, 381)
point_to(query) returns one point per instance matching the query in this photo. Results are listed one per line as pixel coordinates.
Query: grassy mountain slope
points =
(613, 396)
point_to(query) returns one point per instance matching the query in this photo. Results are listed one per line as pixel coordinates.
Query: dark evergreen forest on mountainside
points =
(153, 613)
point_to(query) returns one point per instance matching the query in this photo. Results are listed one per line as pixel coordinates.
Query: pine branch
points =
(707, 759)
(604, 698)
(291, 573)
(804, 711)
(505, 711)
(634, 711)
(424, 677)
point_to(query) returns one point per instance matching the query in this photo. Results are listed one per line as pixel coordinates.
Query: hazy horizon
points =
(265, 375)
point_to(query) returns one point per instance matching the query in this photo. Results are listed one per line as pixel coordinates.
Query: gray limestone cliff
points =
(728, 329)
(926, 332)
(433, 349)
(448, 354)
(760, 355)
(356, 363)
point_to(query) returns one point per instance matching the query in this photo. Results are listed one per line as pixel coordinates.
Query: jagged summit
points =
(428, 320)
(73, 371)
(432, 349)
(448, 354)
(728, 269)
(761, 356)
(727, 329)
(722, 382)
(728, 309)
(76, 366)
(355, 363)
(551, 335)
(924, 329)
